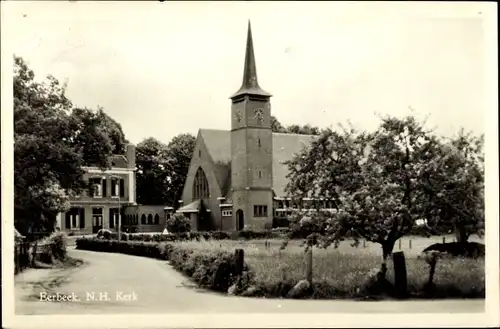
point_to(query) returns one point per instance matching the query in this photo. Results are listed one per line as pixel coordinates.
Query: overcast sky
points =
(161, 69)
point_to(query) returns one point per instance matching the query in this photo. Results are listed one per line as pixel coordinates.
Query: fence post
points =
(432, 264)
(410, 243)
(239, 259)
(364, 243)
(16, 256)
(444, 239)
(35, 247)
(309, 263)
(400, 278)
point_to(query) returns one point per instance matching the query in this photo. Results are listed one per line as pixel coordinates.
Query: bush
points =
(210, 235)
(467, 249)
(53, 248)
(178, 224)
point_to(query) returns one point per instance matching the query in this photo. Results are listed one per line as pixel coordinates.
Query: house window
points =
(260, 174)
(96, 187)
(227, 213)
(200, 185)
(260, 211)
(122, 187)
(157, 219)
(259, 142)
(150, 219)
(143, 219)
(115, 187)
(72, 221)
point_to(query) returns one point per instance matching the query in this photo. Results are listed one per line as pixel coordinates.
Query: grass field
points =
(341, 271)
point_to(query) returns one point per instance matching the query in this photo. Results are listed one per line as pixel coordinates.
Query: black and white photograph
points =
(249, 164)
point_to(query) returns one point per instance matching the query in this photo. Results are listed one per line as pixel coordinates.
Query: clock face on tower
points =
(259, 115)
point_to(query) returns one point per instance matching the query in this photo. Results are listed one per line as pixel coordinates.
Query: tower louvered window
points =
(200, 185)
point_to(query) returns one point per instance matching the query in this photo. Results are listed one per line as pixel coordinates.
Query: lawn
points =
(340, 272)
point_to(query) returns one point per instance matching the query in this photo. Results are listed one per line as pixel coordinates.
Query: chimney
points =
(131, 155)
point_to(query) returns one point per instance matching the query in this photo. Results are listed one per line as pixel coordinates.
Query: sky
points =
(161, 69)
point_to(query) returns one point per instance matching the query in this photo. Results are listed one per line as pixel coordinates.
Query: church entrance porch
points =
(199, 215)
(240, 220)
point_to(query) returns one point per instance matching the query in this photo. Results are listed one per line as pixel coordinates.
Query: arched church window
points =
(150, 219)
(200, 185)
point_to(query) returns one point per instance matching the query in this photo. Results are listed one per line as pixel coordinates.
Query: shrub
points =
(253, 235)
(467, 249)
(178, 224)
(54, 247)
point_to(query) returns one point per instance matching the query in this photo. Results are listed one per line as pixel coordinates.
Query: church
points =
(236, 179)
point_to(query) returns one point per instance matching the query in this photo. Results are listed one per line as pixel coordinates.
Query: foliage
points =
(307, 129)
(52, 141)
(152, 175)
(58, 242)
(97, 134)
(162, 169)
(179, 153)
(454, 184)
(210, 235)
(376, 181)
(178, 223)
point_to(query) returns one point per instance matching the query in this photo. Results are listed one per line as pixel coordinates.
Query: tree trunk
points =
(387, 248)
(461, 233)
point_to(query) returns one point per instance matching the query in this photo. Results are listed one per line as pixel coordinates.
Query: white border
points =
(489, 318)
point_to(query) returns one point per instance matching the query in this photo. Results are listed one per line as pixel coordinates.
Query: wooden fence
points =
(22, 258)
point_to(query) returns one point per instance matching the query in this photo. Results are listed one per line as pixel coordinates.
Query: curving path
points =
(158, 288)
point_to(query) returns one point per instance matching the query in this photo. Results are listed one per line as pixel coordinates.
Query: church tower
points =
(251, 149)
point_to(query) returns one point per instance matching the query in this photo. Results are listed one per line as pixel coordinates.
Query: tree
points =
(276, 126)
(152, 174)
(179, 153)
(454, 183)
(97, 134)
(162, 169)
(375, 179)
(307, 129)
(49, 150)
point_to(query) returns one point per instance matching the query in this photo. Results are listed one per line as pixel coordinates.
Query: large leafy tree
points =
(162, 169)
(375, 179)
(179, 153)
(151, 162)
(97, 134)
(49, 149)
(454, 184)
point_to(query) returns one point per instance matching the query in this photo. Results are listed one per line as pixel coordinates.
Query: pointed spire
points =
(250, 86)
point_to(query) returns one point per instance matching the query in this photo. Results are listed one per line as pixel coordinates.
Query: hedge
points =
(210, 235)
